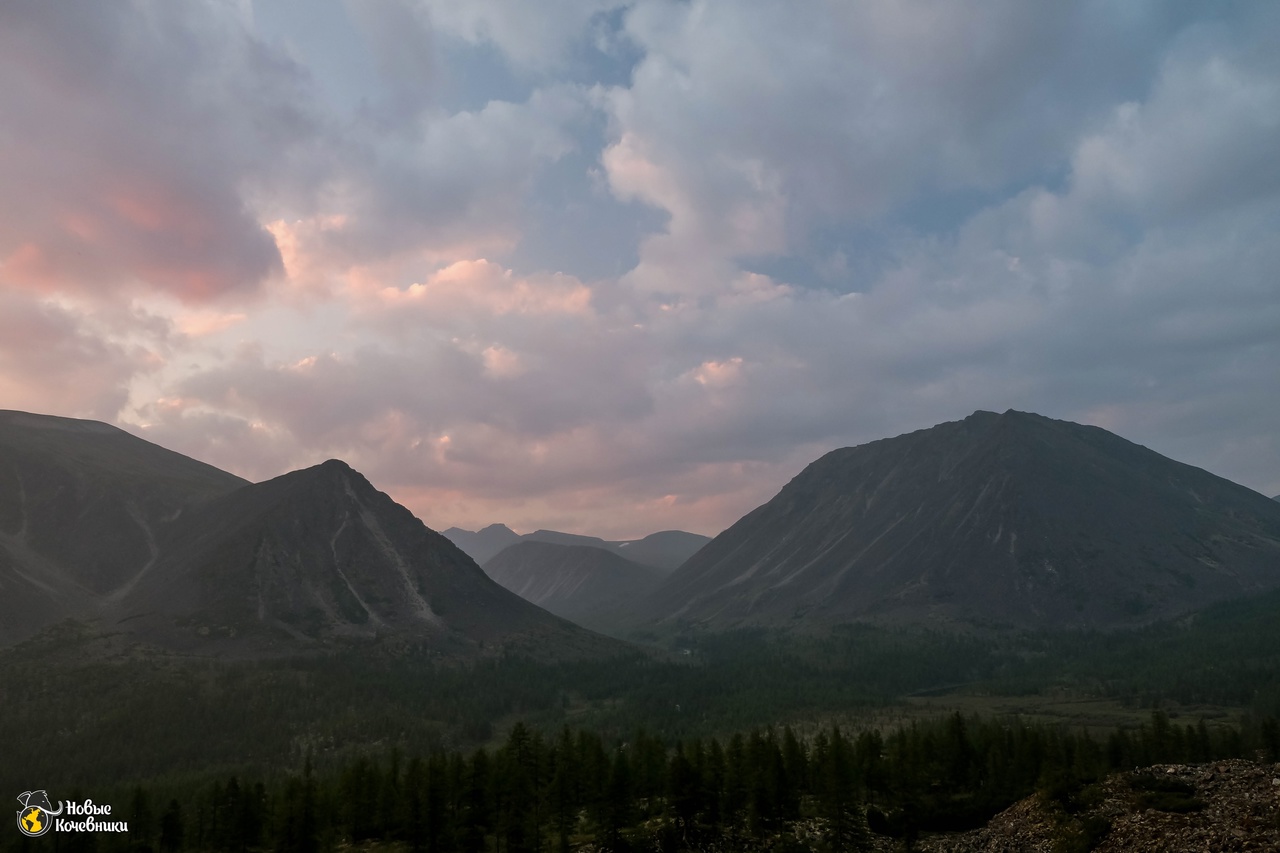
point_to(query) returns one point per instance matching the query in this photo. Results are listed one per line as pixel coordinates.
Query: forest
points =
(740, 741)
(763, 790)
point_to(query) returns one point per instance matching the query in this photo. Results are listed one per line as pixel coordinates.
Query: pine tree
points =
(299, 830)
(619, 803)
(171, 829)
(477, 817)
(682, 792)
(564, 789)
(838, 798)
(140, 820)
(413, 820)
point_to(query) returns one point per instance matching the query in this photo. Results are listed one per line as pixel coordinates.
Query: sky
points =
(614, 268)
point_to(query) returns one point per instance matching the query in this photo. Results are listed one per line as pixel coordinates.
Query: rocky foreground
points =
(1168, 808)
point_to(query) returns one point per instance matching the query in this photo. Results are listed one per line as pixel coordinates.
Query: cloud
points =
(472, 346)
(400, 35)
(132, 130)
(858, 219)
(534, 36)
(164, 148)
(441, 188)
(476, 291)
(56, 358)
(1203, 141)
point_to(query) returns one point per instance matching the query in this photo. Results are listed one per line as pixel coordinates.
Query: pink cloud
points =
(199, 324)
(481, 288)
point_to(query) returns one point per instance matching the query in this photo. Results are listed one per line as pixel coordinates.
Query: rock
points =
(1226, 806)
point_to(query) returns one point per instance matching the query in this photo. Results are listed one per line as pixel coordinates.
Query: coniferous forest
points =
(749, 741)
(765, 789)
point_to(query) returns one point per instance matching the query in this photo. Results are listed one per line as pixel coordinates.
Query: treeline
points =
(763, 790)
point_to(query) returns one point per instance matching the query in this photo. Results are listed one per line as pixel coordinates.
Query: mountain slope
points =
(83, 506)
(1013, 519)
(577, 582)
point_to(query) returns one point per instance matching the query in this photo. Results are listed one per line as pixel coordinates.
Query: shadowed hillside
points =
(83, 506)
(577, 582)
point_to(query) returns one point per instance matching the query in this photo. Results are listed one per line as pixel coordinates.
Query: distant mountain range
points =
(585, 579)
(663, 551)
(96, 524)
(1006, 519)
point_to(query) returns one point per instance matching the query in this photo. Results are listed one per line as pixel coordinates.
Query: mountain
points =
(555, 537)
(1010, 518)
(663, 551)
(83, 506)
(484, 544)
(98, 525)
(316, 554)
(577, 582)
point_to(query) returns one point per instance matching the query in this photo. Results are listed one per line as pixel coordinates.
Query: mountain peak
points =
(1014, 518)
(1007, 414)
(334, 468)
(330, 471)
